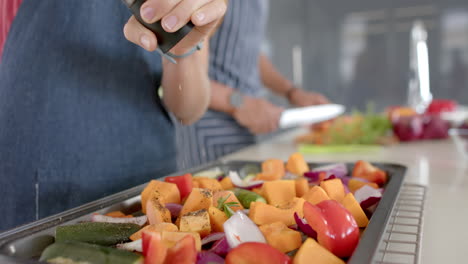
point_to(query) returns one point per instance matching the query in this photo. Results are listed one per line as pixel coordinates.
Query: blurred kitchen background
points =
(356, 51)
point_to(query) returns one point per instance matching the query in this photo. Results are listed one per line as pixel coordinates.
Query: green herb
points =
(226, 207)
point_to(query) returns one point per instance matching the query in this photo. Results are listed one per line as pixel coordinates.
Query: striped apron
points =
(234, 53)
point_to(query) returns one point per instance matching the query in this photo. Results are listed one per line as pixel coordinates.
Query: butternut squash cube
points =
(281, 237)
(232, 198)
(262, 213)
(315, 195)
(313, 252)
(198, 221)
(297, 165)
(156, 212)
(334, 189)
(217, 219)
(302, 186)
(208, 183)
(350, 203)
(279, 192)
(166, 192)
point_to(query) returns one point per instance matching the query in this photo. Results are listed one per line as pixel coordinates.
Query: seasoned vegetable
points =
(198, 199)
(198, 221)
(217, 219)
(154, 228)
(164, 191)
(245, 197)
(279, 192)
(281, 237)
(78, 252)
(105, 234)
(311, 250)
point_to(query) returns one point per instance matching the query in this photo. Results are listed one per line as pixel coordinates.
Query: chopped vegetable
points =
(174, 209)
(245, 197)
(208, 257)
(197, 221)
(156, 212)
(159, 227)
(338, 169)
(262, 213)
(279, 192)
(238, 182)
(365, 170)
(131, 246)
(184, 184)
(279, 236)
(217, 219)
(336, 228)
(105, 234)
(367, 196)
(240, 229)
(256, 253)
(77, 252)
(212, 238)
(350, 203)
(312, 252)
(334, 188)
(315, 195)
(140, 220)
(197, 199)
(296, 164)
(221, 247)
(164, 191)
(272, 169)
(303, 226)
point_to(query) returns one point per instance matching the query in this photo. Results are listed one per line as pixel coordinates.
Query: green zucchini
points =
(71, 252)
(245, 197)
(105, 234)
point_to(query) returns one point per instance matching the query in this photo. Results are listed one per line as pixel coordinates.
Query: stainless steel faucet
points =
(419, 92)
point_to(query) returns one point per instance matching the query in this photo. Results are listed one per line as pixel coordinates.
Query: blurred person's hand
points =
(300, 97)
(174, 14)
(258, 115)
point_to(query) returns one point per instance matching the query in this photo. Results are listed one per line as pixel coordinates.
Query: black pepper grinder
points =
(166, 41)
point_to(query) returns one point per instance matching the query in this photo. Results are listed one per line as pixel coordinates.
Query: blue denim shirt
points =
(79, 114)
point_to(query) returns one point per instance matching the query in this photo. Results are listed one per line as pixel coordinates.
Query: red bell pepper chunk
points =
(183, 252)
(183, 182)
(153, 248)
(336, 228)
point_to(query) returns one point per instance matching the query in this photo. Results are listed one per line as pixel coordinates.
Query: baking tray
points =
(24, 244)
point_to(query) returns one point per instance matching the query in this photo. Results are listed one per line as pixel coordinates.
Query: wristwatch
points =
(236, 99)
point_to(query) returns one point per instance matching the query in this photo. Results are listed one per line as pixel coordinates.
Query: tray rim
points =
(364, 252)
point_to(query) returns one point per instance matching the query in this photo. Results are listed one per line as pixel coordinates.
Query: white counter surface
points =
(435, 164)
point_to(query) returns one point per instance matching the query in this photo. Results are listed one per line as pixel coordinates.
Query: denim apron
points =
(80, 118)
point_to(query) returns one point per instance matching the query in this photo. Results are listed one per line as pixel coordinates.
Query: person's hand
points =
(258, 115)
(299, 97)
(174, 14)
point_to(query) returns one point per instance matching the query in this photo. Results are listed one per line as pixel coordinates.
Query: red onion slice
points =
(131, 246)
(338, 169)
(220, 247)
(239, 229)
(304, 226)
(367, 196)
(140, 220)
(174, 209)
(207, 257)
(238, 182)
(212, 238)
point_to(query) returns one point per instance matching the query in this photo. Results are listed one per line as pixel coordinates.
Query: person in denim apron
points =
(80, 117)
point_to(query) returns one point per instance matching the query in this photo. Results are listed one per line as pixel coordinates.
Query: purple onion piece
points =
(212, 238)
(220, 247)
(304, 226)
(339, 169)
(238, 182)
(208, 257)
(174, 209)
(367, 196)
(312, 176)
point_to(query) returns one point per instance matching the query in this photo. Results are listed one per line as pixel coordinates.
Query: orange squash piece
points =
(156, 212)
(313, 252)
(171, 238)
(232, 198)
(281, 237)
(272, 169)
(198, 199)
(334, 189)
(297, 165)
(302, 186)
(164, 191)
(262, 213)
(279, 192)
(217, 219)
(350, 203)
(315, 195)
(355, 184)
(154, 228)
(226, 183)
(208, 183)
(198, 221)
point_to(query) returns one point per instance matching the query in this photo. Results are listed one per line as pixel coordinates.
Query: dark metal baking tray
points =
(24, 244)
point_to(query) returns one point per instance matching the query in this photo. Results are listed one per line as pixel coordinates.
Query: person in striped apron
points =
(239, 71)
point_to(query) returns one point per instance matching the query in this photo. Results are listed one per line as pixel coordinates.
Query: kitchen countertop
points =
(434, 164)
